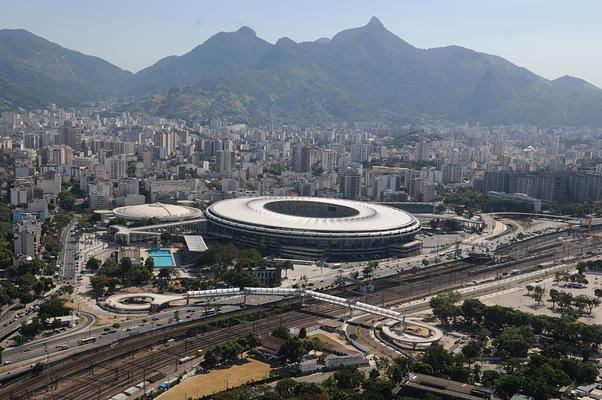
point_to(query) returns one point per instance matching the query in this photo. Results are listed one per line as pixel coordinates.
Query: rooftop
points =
(160, 211)
(312, 214)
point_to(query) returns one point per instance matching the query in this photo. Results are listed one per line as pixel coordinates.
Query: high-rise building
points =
(99, 196)
(70, 136)
(360, 152)
(166, 142)
(212, 146)
(452, 173)
(128, 186)
(118, 167)
(422, 150)
(301, 158)
(350, 184)
(328, 160)
(27, 237)
(224, 161)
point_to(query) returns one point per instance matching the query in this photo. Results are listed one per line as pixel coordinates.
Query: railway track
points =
(111, 382)
(107, 371)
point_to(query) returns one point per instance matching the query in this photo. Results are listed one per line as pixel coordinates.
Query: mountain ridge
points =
(363, 73)
(46, 72)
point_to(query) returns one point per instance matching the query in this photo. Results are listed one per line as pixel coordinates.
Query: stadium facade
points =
(315, 228)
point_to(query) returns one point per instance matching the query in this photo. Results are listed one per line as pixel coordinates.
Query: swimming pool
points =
(161, 258)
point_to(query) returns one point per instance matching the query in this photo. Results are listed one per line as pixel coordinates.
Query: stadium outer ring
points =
(371, 221)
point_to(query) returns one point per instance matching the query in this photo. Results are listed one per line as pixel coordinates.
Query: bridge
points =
(151, 301)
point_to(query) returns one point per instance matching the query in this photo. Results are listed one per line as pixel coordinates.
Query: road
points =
(39, 349)
(70, 266)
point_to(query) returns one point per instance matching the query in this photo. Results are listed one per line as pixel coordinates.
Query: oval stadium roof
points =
(312, 214)
(163, 212)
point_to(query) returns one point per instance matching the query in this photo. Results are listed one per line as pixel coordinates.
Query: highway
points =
(69, 264)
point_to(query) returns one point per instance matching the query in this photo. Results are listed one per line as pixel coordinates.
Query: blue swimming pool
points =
(161, 258)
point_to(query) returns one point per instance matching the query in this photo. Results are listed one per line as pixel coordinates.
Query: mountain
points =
(226, 53)
(35, 72)
(364, 73)
(360, 74)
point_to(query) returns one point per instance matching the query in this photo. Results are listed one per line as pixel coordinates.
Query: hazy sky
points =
(550, 37)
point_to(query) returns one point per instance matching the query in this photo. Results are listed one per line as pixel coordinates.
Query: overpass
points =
(303, 293)
(535, 215)
(155, 301)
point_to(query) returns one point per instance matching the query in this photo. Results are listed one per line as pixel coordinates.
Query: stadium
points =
(158, 211)
(315, 228)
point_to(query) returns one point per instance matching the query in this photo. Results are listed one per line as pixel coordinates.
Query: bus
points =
(87, 340)
(184, 359)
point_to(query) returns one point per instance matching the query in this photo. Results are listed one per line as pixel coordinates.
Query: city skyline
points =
(564, 36)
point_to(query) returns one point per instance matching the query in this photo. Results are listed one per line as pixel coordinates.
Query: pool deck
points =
(144, 255)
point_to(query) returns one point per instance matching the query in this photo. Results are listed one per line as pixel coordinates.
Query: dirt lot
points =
(518, 299)
(218, 380)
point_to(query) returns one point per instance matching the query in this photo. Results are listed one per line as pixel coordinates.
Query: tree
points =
(508, 384)
(125, 265)
(565, 301)
(248, 258)
(472, 349)
(302, 333)
(103, 284)
(472, 311)
(348, 378)
(529, 289)
(292, 350)
(213, 355)
(149, 264)
(400, 367)
(554, 297)
(54, 307)
(66, 200)
(438, 358)
(444, 306)
(249, 341)
(583, 302)
(515, 342)
(93, 264)
(138, 275)
(281, 332)
(286, 388)
(164, 273)
(538, 293)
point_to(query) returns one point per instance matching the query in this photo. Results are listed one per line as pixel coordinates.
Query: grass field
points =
(216, 380)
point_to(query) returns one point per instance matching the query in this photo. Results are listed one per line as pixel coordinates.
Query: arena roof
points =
(312, 214)
(163, 212)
